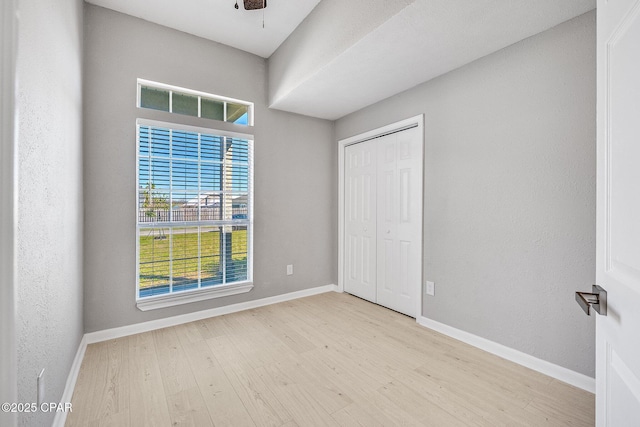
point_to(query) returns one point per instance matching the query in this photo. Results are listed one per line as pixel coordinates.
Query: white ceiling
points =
(340, 60)
(219, 21)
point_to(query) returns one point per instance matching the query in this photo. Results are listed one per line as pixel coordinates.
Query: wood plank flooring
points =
(326, 360)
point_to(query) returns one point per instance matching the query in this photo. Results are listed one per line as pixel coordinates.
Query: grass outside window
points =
(172, 257)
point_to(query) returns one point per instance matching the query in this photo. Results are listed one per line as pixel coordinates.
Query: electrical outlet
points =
(289, 269)
(40, 382)
(430, 288)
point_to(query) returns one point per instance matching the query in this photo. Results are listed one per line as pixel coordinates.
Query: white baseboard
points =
(123, 331)
(558, 372)
(61, 417)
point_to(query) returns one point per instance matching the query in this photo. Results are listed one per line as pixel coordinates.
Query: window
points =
(194, 211)
(158, 96)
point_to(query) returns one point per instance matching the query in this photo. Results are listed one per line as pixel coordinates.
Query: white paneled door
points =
(399, 227)
(360, 220)
(618, 223)
(383, 220)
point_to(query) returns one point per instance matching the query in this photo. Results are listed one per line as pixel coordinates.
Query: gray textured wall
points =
(49, 236)
(295, 166)
(510, 191)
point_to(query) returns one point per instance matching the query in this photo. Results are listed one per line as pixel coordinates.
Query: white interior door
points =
(399, 269)
(360, 220)
(618, 223)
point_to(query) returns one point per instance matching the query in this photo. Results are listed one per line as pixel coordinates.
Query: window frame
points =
(200, 293)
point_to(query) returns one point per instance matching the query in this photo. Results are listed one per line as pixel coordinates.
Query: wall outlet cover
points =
(430, 288)
(289, 269)
(40, 382)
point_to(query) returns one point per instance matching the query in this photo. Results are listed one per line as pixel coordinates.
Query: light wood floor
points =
(326, 360)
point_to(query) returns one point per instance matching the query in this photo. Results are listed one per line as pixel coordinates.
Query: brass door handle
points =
(597, 299)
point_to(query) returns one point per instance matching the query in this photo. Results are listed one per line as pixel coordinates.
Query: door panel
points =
(386, 189)
(400, 199)
(360, 220)
(409, 227)
(367, 203)
(368, 260)
(352, 251)
(387, 207)
(625, 392)
(405, 212)
(386, 271)
(618, 219)
(404, 287)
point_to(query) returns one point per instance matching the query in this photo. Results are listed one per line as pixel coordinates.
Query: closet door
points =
(360, 220)
(399, 224)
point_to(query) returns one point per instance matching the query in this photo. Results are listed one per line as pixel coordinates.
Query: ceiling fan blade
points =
(255, 4)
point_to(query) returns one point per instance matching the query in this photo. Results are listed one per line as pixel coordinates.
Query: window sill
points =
(163, 301)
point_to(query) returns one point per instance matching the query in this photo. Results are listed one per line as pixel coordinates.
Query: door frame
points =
(8, 182)
(415, 121)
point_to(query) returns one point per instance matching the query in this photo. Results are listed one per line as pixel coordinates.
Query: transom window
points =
(173, 99)
(194, 210)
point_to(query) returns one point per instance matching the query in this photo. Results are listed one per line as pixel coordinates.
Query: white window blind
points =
(194, 209)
